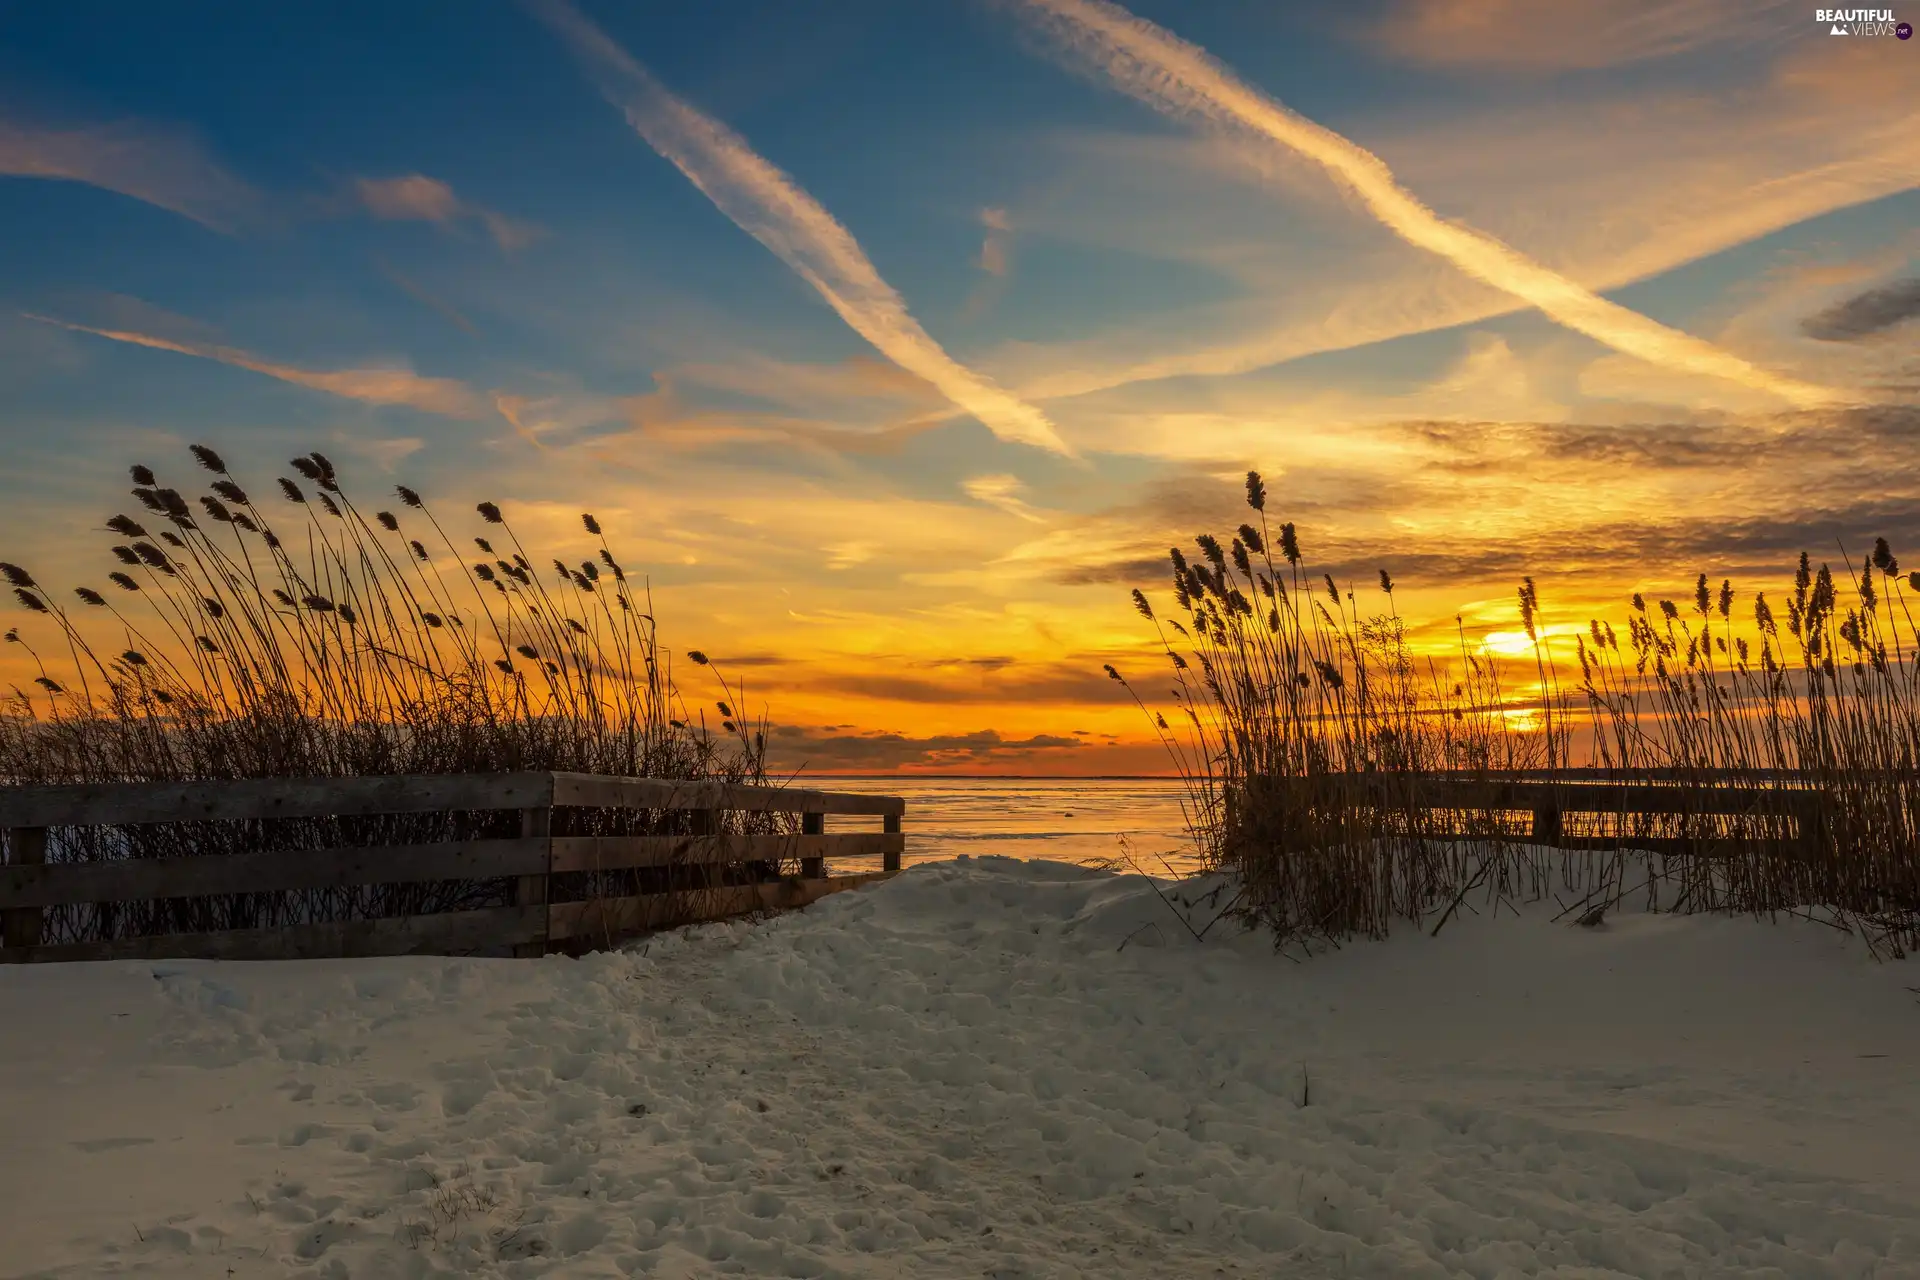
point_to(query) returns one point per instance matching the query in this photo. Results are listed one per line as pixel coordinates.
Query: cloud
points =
(400, 387)
(414, 197)
(1002, 491)
(1074, 680)
(169, 168)
(162, 166)
(1183, 81)
(847, 391)
(519, 413)
(846, 555)
(445, 310)
(386, 452)
(1851, 73)
(819, 749)
(1866, 313)
(1464, 508)
(1606, 190)
(994, 249)
(1566, 34)
(768, 205)
(828, 411)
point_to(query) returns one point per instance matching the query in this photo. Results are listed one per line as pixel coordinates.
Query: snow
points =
(985, 1067)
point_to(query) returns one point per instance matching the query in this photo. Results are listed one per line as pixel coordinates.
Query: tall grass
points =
(1305, 726)
(326, 639)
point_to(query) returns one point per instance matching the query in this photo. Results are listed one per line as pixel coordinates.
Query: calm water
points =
(1064, 819)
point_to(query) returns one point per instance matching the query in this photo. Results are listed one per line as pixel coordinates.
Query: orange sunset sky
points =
(897, 342)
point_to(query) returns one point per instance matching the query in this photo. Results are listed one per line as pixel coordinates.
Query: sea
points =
(1088, 821)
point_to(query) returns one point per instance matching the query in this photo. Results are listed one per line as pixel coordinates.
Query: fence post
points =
(813, 824)
(703, 869)
(27, 847)
(890, 823)
(533, 891)
(1808, 821)
(1546, 826)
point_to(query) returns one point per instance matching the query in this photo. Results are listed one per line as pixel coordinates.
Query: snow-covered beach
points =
(985, 1067)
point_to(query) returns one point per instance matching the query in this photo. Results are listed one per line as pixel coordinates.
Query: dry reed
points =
(230, 643)
(1309, 734)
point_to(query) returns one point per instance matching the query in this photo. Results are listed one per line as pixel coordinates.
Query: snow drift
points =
(983, 1067)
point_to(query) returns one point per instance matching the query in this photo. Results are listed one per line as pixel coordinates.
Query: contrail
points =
(1184, 81)
(772, 208)
(443, 396)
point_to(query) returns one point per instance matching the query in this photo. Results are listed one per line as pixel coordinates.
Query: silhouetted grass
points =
(1305, 724)
(328, 640)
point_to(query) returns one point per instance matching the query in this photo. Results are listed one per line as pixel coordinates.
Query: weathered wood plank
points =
(610, 919)
(1389, 790)
(609, 853)
(129, 802)
(813, 866)
(1701, 847)
(140, 879)
(446, 933)
(891, 823)
(33, 886)
(1610, 797)
(595, 791)
(1704, 777)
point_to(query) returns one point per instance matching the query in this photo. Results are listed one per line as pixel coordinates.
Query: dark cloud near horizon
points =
(812, 749)
(750, 660)
(1835, 481)
(1866, 313)
(1075, 680)
(1757, 546)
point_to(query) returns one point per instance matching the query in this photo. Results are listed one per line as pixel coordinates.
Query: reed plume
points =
(373, 650)
(1311, 728)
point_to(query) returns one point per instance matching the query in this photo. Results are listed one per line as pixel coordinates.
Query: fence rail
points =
(530, 924)
(1800, 803)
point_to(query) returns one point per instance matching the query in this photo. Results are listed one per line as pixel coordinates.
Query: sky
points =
(896, 343)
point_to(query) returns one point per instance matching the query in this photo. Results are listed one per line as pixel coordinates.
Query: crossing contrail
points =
(1184, 81)
(772, 208)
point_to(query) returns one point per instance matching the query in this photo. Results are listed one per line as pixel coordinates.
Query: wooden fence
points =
(1796, 807)
(530, 924)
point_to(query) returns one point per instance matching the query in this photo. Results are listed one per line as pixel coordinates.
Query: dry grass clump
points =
(1310, 734)
(228, 643)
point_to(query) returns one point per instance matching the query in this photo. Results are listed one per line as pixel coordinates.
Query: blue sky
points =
(428, 239)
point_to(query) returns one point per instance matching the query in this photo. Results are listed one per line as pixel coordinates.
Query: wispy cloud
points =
(415, 197)
(445, 310)
(767, 204)
(1004, 492)
(822, 750)
(1566, 33)
(993, 250)
(1457, 508)
(443, 396)
(847, 391)
(1184, 81)
(520, 415)
(164, 167)
(1866, 313)
(1610, 188)
(384, 452)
